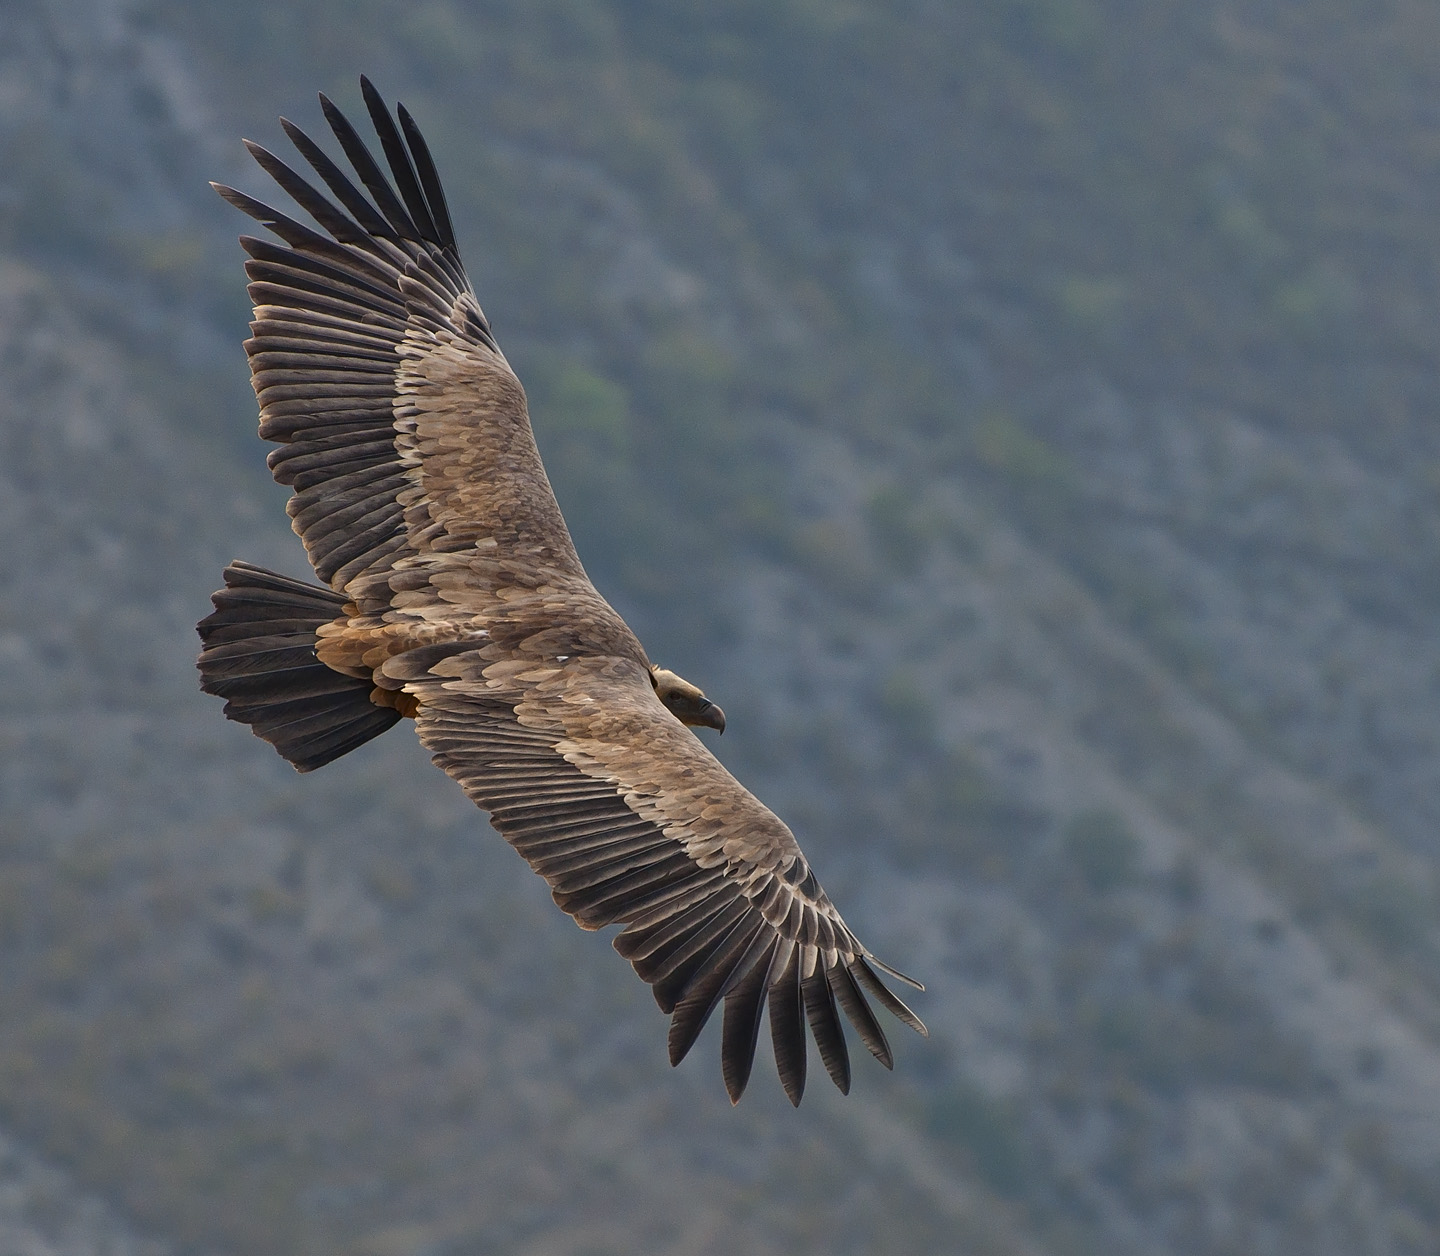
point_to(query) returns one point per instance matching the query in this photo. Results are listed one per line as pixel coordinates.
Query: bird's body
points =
(456, 598)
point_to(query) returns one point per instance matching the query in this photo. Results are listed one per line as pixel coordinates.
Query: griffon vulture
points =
(456, 599)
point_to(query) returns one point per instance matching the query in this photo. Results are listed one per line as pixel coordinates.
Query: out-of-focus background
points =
(1021, 415)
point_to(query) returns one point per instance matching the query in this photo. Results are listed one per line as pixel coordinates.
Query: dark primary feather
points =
(429, 180)
(865, 976)
(825, 1025)
(858, 1013)
(399, 159)
(787, 1029)
(740, 1035)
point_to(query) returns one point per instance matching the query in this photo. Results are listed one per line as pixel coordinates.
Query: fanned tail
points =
(259, 654)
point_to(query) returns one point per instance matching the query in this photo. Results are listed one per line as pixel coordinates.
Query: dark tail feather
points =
(259, 654)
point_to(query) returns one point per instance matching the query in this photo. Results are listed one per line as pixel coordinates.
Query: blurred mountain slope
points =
(1019, 414)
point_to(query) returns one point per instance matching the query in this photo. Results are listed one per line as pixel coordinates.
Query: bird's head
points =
(684, 701)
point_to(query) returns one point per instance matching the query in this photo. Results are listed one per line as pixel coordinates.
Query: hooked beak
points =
(711, 716)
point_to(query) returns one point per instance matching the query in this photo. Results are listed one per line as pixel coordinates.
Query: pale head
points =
(685, 701)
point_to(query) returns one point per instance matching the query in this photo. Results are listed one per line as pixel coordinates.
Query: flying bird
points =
(455, 599)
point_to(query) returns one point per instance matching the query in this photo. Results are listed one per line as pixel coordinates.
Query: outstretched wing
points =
(402, 429)
(632, 821)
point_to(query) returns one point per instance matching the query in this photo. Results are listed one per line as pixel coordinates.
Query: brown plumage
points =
(456, 598)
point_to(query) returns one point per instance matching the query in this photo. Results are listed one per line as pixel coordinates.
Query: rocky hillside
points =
(1019, 415)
